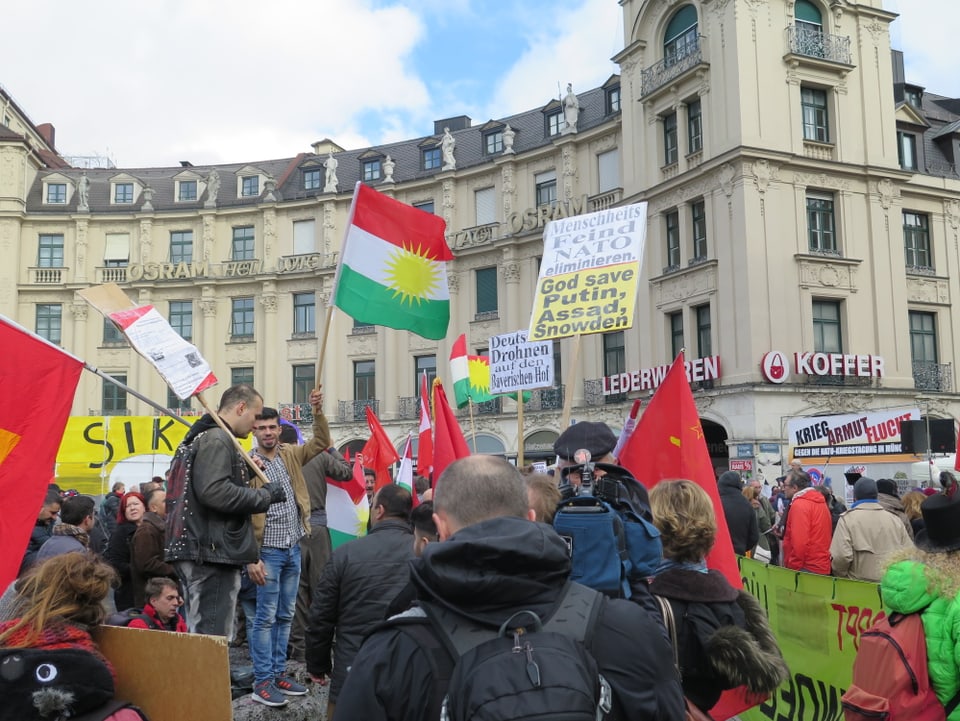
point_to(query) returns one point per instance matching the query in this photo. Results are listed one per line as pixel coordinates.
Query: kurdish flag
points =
(392, 270)
(471, 374)
(347, 507)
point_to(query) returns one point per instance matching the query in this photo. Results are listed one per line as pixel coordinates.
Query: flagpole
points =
(520, 429)
(96, 371)
(571, 377)
(236, 443)
(473, 426)
(323, 343)
(135, 394)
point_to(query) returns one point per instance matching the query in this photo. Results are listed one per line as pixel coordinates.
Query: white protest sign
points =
(516, 365)
(590, 273)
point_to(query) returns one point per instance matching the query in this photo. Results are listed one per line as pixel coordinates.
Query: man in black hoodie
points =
(493, 561)
(741, 518)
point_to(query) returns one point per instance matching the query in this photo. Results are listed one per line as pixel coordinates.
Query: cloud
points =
(195, 80)
(575, 47)
(926, 32)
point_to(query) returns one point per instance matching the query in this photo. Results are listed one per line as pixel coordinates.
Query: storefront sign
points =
(744, 450)
(775, 367)
(647, 379)
(740, 465)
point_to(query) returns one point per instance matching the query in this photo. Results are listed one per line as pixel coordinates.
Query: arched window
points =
(808, 16)
(487, 444)
(809, 29)
(680, 38)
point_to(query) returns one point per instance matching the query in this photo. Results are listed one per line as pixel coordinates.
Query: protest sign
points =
(178, 361)
(870, 436)
(590, 273)
(516, 365)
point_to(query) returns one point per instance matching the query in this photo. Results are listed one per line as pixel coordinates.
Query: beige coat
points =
(865, 538)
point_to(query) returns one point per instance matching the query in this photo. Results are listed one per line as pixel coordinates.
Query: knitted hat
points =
(864, 488)
(888, 486)
(595, 437)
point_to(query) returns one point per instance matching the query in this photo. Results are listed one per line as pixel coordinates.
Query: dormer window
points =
(250, 186)
(123, 193)
(371, 169)
(554, 123)
(612, 99)
(312, 179)
(493, 142)
(56, 193)
(186, 190)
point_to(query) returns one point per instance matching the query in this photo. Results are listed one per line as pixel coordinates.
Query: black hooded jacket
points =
(741, 518)
(488, 572)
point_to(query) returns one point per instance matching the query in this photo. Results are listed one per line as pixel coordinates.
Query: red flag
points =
(39, 381)
(449, 444)
(668, 443)
(425, 446)
(379, 453)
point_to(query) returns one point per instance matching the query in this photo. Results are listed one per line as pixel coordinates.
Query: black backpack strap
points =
(414, 623)
(577, 613)
(952, 704)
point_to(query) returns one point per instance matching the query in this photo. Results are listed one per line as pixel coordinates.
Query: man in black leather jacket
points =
(208, 534)
(492, 561)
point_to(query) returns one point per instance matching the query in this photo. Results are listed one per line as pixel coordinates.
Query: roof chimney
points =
(186, 164)
(49, 134)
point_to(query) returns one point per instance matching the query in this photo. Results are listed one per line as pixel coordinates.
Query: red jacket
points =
(156, 623)
(806, 541)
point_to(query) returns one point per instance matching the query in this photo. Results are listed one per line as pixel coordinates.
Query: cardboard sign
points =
(171, 676)
(590, 273)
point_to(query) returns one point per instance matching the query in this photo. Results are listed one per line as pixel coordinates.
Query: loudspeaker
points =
(943, 437)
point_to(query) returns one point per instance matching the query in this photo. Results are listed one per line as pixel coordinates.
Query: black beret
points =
(595, 437)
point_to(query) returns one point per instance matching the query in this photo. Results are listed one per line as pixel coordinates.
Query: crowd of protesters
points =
(478, 545)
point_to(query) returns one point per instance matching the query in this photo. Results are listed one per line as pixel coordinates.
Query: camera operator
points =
(587, 466)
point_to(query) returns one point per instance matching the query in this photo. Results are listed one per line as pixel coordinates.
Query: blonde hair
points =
(911, 504)
(543, 494)
(69, 587)
(751, 493)
(684, 515)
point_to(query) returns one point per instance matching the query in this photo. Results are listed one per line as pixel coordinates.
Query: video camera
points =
(606, 487)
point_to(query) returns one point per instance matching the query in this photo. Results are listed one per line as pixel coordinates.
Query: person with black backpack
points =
(500, 627)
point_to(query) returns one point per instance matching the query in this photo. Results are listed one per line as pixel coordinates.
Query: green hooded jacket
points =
(930, 583)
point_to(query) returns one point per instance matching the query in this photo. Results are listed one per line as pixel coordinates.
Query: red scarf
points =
(58, 634)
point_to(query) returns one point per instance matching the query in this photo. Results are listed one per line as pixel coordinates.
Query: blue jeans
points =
(276, 601)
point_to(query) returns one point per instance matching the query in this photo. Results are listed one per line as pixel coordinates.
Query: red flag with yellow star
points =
(38, 381)
(668, 443)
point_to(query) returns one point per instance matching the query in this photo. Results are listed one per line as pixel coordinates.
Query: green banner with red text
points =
(817, 621)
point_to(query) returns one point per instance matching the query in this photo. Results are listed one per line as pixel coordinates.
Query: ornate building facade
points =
(803, 199)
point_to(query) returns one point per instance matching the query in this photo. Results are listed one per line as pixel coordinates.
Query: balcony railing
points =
(47, 276)
(545, 399)
(593, 392)
(351, 411)
(815, 380)
(606, 200)
(930, 376)
(658, 75)
(112, 275)
(490, 408)
(408, 407)
(813, 43)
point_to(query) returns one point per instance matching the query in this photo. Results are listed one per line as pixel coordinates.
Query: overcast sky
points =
(150, 84)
